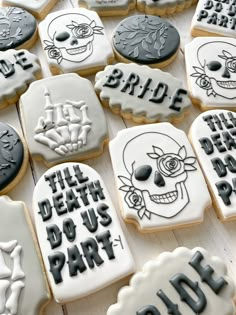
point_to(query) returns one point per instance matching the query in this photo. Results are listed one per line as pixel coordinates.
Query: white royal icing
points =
(156, 174)
(82, 243)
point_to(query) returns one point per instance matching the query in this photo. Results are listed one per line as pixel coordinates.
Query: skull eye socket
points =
(214, 65)
(82, 31)
(62, 36)
(231, 64)
(143, 172)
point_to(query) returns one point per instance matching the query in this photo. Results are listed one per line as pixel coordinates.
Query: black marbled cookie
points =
(11, 154)
(146, 39)
(17, 26)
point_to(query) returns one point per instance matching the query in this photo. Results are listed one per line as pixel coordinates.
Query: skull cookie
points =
(155, 184)
(75, 41)
(211, 71)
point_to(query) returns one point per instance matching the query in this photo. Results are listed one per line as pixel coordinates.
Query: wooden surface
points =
(218, 238)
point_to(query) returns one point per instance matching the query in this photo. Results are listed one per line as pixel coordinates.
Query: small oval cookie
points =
(21, 268)
(63, 124)
(18, 28)
(146, 39)
(83, 246)
(13, 158)
(109, 7)
(182, 282)
(74, 40)
(212, 135)
(156, 174)
(141, 93)
(211, 68)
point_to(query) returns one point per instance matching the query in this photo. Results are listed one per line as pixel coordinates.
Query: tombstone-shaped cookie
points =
(156, 174)
(75, 41)
(214, 18)
(109, 7)
(18, 28)
(212, 135)
(81, 240)
(182, 282)
(210, 66)
(63, 124)
(142, 93)
(18, 68)
(21, 271)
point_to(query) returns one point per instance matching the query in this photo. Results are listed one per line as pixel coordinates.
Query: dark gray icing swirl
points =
(11, 154)
(16, 27)
(146, 39)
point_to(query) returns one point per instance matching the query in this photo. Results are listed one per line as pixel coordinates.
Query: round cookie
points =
(18, 28)
(146, 39)
(182, 282)
(109, 7)
(13, 158)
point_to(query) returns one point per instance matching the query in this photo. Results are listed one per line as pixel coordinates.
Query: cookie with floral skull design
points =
(74, 40)
(211, 72)
(156, 173)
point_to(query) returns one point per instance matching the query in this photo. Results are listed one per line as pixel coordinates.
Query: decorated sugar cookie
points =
(141, 93)
(213, 137)
(39, 8)
(74, 40)
(20, 266)
(156, 173)
(146, 39)
(82, 243)
(64, 123)
(214, 17)
(18, 28)
(18, 68)
(210, 65)
(109, 7)
(182, 282)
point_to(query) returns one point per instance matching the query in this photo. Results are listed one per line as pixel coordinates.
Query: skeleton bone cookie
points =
(64, 124)
(211, 72)
(75, 41)
(186, 281)
(109, 7)
(82, 243)
(20, 266)
(213, 137)
(156, 174)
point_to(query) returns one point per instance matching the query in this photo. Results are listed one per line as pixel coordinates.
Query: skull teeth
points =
(227, 84)
(165, 198)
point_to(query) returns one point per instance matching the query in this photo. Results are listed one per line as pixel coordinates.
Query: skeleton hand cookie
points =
(75, 41)
(210, 65)
(156, 172)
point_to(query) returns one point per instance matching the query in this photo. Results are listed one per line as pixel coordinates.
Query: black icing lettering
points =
(83, 195)
(231, 10)
(54, 235)
(69, 229)
(148, 310)
(210, 123)
(224, 191)
(233, 23)
(102, 211)
(218, 7)
(58, 203)
(56, 263)
(131, 82)
(113, 79)
(223, 21)
(96, 190)
(90, 220)
(196, 306)
(232, 118)
(206, 145)
(177, 98)
(208, 5)
(104, 238)
(60, 179)
(202, 15)
(212, 19)
(206, 273)
(217, 142)
(79, 174)
(71, 201)
(171, 307)
(159, 93)
(45, 209)
(228, 140)
(90, 250)
(75, 261)
(6, 68)
(22, 60)
(68, 178)
(145, 88)
(219, 167)
(52, 183)
(231, 163)
(217, 122)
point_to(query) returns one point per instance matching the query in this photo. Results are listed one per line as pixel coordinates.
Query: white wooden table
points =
(218, 238)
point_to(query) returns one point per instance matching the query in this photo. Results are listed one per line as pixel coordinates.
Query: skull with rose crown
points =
(158, 172)
(72, 37)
